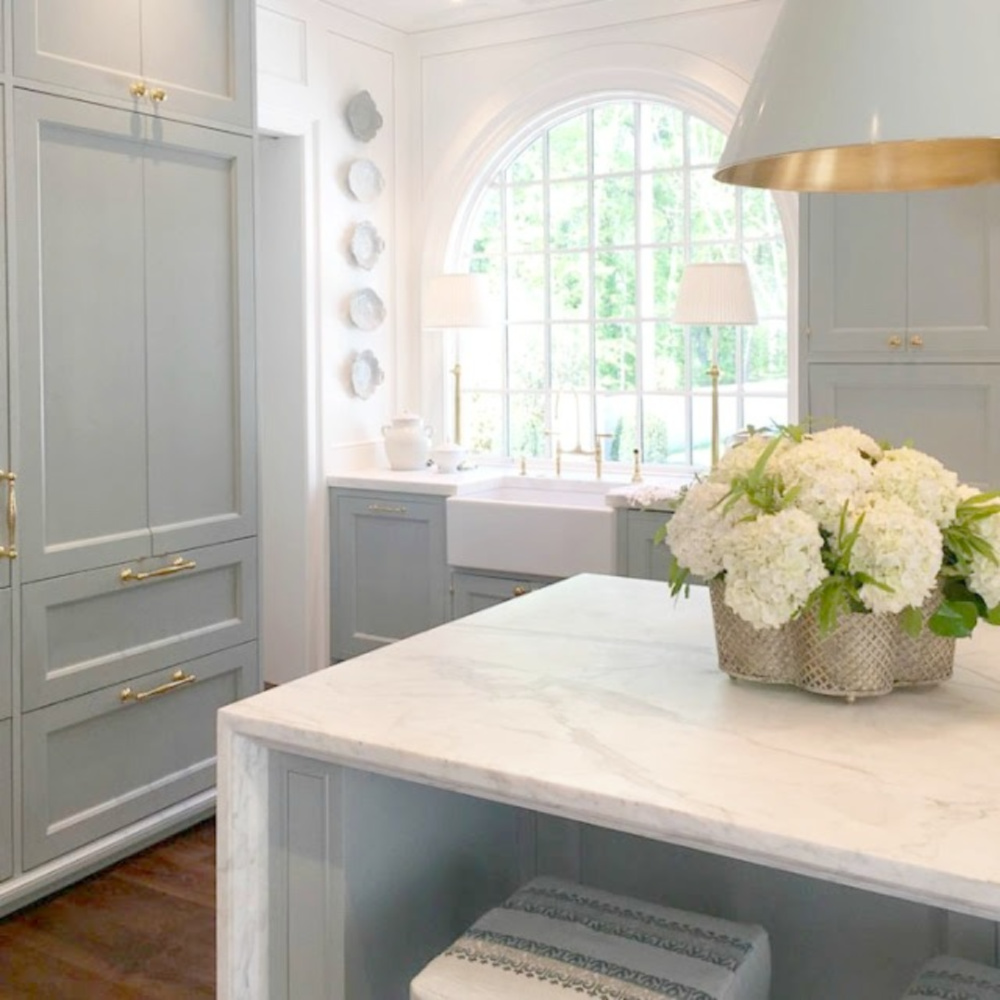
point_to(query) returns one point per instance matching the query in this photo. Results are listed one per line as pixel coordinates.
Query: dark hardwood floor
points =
(142, 930)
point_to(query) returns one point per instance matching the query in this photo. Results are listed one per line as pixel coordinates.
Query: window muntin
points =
(585, 234)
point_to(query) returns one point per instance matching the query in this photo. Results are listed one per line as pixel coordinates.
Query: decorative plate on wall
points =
(367, 310)
(366, 245)
(363, 117)
(364, 180)
(366, 374)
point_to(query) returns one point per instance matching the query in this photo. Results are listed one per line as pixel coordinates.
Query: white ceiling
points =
(425, 15)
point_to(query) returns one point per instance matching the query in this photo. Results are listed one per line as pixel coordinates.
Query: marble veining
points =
(600, 699)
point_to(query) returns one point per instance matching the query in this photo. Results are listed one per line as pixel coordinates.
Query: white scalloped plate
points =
(366, 374)
(367, 310)
(366, 245)
(364, 180)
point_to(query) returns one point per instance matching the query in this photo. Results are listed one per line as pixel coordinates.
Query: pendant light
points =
(872, 95)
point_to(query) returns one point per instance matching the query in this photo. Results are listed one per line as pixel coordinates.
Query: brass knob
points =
(137, 89)
(916, 341)
(519, 591)
(157, 95)
(895, 341)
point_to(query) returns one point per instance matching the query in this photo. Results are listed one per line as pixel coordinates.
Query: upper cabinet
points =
(135, 314)
(904, 277)
(184, 57)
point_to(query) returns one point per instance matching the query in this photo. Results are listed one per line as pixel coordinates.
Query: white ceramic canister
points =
(407, 442)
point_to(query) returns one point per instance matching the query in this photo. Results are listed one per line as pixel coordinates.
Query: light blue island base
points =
(369, 813)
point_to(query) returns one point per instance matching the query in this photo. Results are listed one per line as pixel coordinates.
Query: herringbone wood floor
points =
(142, 930)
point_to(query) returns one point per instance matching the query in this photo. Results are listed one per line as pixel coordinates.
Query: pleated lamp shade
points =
(872, 95)
(715, 295)
(460, 301)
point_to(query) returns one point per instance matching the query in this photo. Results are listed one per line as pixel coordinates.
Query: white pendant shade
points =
(715, 295)
(462, 301)
(872, 95)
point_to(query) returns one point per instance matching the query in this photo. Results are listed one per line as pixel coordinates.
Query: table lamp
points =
(715, 295)
(459, 302)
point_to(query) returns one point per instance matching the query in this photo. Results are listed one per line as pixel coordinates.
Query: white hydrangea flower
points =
(899, 548)
(699, 526)
(920, 481)
(827, 475)
(984, 576)
(741, 458)
(850, 439)
(772, 565)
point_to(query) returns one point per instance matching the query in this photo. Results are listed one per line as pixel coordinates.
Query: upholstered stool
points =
(955, 979)
(553, 939)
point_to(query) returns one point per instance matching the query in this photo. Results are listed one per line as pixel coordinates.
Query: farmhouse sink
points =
(534, 526)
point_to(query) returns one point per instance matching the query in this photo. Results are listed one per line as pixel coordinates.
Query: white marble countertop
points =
(599, 699)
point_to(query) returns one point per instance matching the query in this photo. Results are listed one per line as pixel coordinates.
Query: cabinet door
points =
(388, 574)
(199, 321)
(949, 411)
(6, 803)
(638, 555)
(6, 652)
(197, 51)
(857, 281)
(81, 344)
(472, 592)
(5, 539)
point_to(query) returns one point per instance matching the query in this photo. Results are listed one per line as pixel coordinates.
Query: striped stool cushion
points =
(955, 979)
(553, 939)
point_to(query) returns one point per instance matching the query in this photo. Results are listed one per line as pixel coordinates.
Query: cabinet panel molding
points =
(6, 802)
(6, 652)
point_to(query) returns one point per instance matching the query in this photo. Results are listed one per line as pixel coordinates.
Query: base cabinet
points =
(6, 637)
(472, 592)
(6, 802)
(97, 763)
(638, 554)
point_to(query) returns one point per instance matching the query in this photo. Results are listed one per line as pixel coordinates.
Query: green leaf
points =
(955, 619)
(912, 620)
(993, 615)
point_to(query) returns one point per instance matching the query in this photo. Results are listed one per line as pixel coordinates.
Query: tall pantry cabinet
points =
(132, 375)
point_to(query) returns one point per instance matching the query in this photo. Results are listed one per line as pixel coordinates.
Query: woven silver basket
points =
(925, 658)
(857, 658)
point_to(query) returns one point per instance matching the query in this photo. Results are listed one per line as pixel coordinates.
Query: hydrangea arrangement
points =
(836, 522)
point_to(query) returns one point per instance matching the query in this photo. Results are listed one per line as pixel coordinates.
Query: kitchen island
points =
(370, 811)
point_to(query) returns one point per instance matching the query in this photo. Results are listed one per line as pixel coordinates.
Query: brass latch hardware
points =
(519, 591)
(895, 341)
(137, 89)
(10, 551)
(916, 341)
(179, 565)
(377, 508)
(179, 679)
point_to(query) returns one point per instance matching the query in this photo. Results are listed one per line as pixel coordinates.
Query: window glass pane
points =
(662, 137)
(570, 356)
(526, 288)
(569, 227)
(765, 411)
(615, 355)
(662, 208)
(765, 356)
(707, 253)
(713, 208)
(481, 355)
(664, 430)
(526, 356)
(614, 138)
(482, 422)
(573, 421)
(701, 425)
(528, 166)
(661, 277)
(487, 227)
(614, 284)
(527, 425)
(664, 357)
(760, 213)
(568, 148)
(723, 354)
(614, 211)
(616, 416)
(705, 143)
(525, 211)
(768, 266)
(570, 285)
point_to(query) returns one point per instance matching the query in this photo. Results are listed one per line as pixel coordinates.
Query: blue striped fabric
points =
(555, 938)
(955, 979)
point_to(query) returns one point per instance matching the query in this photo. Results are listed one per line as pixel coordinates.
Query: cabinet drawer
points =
(472, 592)
(88, 630)
(6, 639)
(96, 763)
(6, 803)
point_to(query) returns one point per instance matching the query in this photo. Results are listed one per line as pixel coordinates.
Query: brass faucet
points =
(599, 452)
(558, 450)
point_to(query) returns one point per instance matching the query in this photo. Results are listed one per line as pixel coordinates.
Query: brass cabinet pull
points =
(157, 96)
(519, 591)
(137, 89)
(377, 508)
(916, 341)
(179, 679)
(177, 566)
(10, 552)
(895, 341)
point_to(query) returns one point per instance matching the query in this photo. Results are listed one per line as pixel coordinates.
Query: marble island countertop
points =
(599, 699)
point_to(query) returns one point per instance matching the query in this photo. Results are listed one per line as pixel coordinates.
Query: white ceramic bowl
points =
(448, 457)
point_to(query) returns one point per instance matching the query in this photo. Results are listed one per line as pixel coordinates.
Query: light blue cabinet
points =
(388, 572)
(472, 592)
(638, 554)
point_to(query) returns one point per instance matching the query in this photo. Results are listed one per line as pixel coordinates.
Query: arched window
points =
(585, 233)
